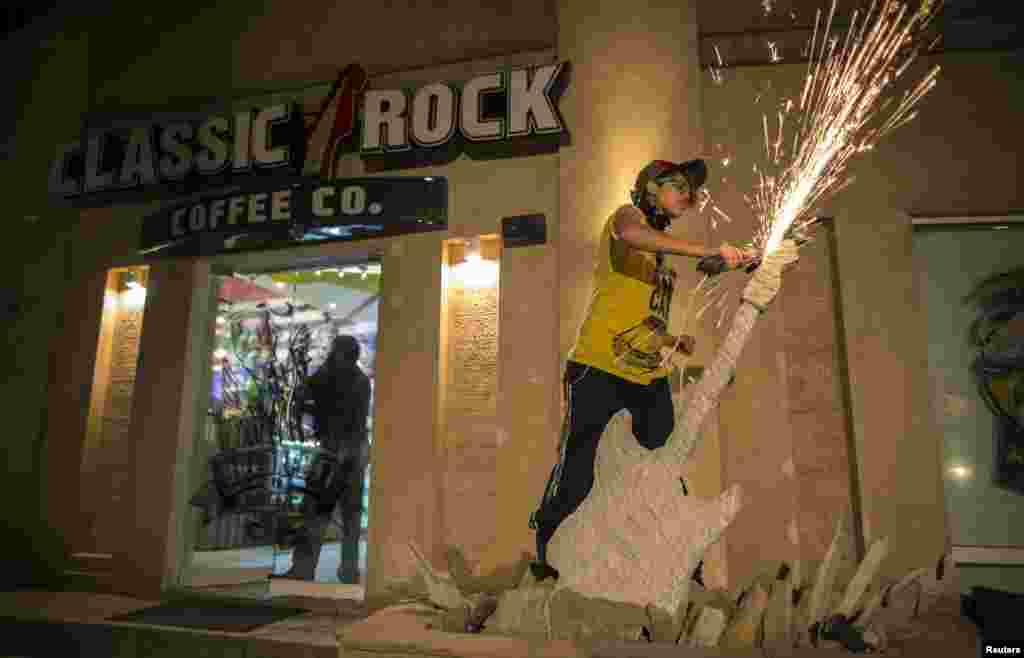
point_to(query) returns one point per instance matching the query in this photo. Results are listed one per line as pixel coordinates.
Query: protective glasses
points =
(679, 183)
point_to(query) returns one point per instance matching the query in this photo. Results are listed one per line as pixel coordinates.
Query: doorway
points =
(975, 313)
(259, 454)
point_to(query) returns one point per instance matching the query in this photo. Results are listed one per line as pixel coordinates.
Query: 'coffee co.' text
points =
(300, 208)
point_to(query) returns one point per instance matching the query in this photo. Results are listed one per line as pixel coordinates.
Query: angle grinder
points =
(714, 265)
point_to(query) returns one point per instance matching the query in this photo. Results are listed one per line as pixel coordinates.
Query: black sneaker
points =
(542, 571)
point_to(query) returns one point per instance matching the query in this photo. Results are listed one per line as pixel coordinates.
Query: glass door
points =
(273, 488)
(227, 549)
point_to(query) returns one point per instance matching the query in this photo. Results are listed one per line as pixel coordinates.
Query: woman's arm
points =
(631, 228)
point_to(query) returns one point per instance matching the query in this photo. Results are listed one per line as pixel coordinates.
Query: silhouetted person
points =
(340, 393)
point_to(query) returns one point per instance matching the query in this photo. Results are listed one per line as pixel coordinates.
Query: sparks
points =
(705, 199)
(721, 213)
(840, 113)
(717, 75)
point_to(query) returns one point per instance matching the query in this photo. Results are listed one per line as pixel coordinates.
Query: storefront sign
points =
(394, 120)
(495, 115)
(296, 210)
(179, 156)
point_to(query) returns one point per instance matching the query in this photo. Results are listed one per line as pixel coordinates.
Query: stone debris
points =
(866, 572)
(484, 606)
(778, 617)
(573, 616)
(708, 628)
(523, 612)
(744, 628)
(441, 590)
(862, 614)
(821, 592)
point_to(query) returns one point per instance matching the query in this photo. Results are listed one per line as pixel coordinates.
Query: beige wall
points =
(279, 45)
(37, 275)
(784, 423)
(958, 157)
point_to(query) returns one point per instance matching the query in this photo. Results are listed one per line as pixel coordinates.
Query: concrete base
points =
(36, 623)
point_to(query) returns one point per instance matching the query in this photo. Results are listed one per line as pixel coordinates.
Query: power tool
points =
(714, 265)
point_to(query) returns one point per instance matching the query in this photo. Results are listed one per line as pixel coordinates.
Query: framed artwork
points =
(997, 335)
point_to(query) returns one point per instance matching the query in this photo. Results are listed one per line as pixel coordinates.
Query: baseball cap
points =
(694, 171)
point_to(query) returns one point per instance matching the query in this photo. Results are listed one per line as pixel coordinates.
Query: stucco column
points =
(634, 95)
(404, 456)
(164, 406)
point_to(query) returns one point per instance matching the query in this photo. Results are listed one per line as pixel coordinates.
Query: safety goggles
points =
(678, 181)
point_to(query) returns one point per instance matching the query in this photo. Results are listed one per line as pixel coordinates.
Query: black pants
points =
(593, 396)
(345, 491)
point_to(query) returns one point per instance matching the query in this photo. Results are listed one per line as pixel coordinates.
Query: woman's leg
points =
(652, 412)
(592, 399)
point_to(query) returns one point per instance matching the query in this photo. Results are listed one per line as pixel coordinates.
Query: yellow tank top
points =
(630, 287)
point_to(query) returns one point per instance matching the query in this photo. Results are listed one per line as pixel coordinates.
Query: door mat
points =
(205, 614)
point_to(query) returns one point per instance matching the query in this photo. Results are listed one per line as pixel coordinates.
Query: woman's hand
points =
(734, 257)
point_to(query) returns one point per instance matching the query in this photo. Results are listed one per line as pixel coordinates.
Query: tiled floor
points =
(276, 562)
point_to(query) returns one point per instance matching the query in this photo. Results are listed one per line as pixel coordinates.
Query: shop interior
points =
(247, 475)
(273, 331)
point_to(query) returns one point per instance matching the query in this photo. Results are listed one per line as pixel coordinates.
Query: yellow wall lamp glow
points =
(474, 262)
(126, 287)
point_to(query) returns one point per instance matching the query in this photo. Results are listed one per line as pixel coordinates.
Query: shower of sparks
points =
(773, 52)
(768, 6)
(717, 70)
(808, 141)
(721, 213)
(705, 199)
(841, 112)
